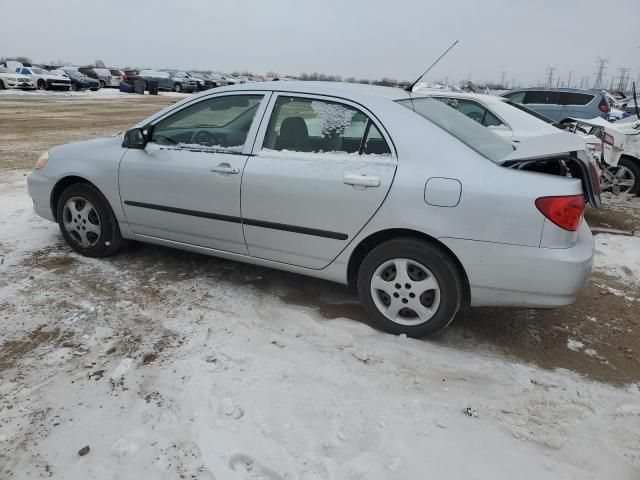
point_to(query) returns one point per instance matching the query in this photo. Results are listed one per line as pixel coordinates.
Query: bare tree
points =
(99, 63)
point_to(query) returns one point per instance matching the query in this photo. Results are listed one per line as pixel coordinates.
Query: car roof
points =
(555, 89)
(325, 88)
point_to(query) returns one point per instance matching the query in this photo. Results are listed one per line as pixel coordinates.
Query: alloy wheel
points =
(405, 291)
(82, 222)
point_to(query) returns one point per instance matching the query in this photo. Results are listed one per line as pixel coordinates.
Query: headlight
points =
(42, 160)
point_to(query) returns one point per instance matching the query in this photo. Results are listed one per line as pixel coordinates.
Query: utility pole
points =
(550, 73)
(601, 65)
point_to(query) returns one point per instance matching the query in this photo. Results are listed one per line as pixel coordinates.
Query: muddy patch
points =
(12, 351)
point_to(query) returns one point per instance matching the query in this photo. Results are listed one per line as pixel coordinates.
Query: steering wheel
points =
(204, 137)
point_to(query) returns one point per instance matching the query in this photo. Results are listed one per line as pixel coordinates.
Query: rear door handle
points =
(226, 168)
(361, 180)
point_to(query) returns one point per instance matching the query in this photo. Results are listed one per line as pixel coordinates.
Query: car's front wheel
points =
(410, 286)
(87, 222)
(177, 87)
(42, 85)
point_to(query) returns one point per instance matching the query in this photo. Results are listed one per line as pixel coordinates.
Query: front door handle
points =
(226, 168)
(361, 180)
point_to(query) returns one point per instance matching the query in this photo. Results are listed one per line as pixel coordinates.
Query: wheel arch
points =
(65, 182)
(375, 239)
(634, 160)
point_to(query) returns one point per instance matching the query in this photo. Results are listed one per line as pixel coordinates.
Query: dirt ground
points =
(604, 322)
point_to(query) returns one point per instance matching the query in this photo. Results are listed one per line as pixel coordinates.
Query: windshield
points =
(39, 71)
(468, 131)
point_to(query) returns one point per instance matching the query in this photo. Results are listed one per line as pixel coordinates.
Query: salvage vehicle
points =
(117, 77)
(417, 206)
(621, 155)
(166, 81)
(105, 77)
(511, 121)
(129, 76)
(562, 104)
(14, 81)
(45, 80)
(79, 81)
(194, 84)
(204, 83)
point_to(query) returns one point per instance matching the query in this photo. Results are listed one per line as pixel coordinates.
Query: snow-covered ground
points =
(186, 369)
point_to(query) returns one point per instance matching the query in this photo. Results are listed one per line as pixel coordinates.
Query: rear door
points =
(321, 168)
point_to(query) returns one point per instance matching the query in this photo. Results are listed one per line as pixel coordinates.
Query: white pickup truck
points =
(45, 80)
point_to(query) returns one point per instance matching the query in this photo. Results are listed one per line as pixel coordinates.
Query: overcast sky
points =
(362, 38)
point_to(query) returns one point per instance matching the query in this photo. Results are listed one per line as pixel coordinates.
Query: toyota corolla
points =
(418, 207)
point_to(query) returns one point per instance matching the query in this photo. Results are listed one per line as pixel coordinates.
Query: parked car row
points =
(51, 77)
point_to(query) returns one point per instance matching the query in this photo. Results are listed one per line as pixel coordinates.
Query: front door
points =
(185, 185)
(321, 168)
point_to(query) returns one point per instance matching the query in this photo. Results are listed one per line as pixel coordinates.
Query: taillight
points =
(566, 212)
(604, 106)
(608, 139)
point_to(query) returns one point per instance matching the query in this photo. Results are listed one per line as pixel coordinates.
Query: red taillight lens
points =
(566, 212)
(608, 139)
(604, 106)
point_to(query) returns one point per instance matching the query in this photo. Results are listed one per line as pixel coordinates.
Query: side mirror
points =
(135, 138)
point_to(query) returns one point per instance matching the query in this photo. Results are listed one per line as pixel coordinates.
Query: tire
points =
(94, 89)
(2, 87)
(42, 85)
(83, 208)
(633, 168)
(438, 306)
(75, 88)
(177, 88)
(103, 84)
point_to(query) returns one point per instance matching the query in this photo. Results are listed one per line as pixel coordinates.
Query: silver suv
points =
(560, 104)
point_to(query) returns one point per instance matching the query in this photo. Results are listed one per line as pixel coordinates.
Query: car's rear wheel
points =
(177, 87)
(2, 87)
(410, 286)
(42, 85)
(87, 222)
(103, 84)
(75, 87)
(626, 178)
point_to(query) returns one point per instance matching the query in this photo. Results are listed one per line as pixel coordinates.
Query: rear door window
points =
(574, 98)
(541, 97)
(319, 126)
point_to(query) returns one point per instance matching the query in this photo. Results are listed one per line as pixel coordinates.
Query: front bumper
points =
(39, 187)
(503, 275)
(20, 86)
(58, 85)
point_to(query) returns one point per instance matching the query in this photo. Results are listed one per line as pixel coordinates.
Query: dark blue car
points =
(80, 81)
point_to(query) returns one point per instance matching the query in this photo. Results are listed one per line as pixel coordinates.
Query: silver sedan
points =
(414, 204)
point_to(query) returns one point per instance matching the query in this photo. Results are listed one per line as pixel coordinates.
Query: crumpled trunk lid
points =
(562, 154)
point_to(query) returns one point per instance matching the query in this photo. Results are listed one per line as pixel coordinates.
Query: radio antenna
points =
(410, 89)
